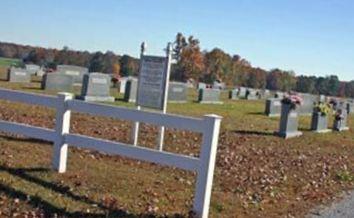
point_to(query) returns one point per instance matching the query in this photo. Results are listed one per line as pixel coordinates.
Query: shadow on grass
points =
(49, 209)
(32, 88)
(257, 113)
(23, 139)
(249, 132)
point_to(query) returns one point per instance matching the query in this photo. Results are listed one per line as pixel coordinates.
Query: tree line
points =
(191, 63)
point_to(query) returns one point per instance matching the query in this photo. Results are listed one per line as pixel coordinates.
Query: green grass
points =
(6, 62)
(257, 174)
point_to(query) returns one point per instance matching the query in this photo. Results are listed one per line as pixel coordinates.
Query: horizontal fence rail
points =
(29, 98)
(204, 166)
(27, 130)
(172, 121)
(145, 154)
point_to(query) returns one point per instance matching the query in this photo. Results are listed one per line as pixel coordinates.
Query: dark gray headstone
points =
(96, 87)
(19, 75)
(57, 82)
(288, 127)
(273, 107)
(177, 92)
(131, 90)
(76, 72)
(319, 122)
(209, 96)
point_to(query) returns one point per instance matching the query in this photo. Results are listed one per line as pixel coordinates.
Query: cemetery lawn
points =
(257, 174)
(5, 62)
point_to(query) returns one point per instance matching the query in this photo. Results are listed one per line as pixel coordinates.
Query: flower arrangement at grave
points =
(339, 115)
(323, 108)
(293, 100)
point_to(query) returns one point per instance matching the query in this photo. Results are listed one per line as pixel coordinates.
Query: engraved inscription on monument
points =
(152, 80)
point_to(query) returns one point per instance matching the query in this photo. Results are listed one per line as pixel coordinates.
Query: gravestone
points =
(177, 92)
(202, 85)
(273, 107)
(319, 122)
(233, 94)
(75, 71)
(32, 68)
(242, 91)
(340, 122)
(322, 98)
(288, 127)
(96, 87)
(350, 107)
(263, 94)
(308, 103)
(18, 75)
(123, 81)
(279, 95)
(218, 85)
(251, 94)
(131, 88)
(57, 82)
(209, 96)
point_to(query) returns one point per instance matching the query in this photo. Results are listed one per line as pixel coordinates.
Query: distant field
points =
(5, 62)
(256, 175)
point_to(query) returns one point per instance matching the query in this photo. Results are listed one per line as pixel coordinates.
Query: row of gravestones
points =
(23, 75)
(273, 105)
(288, 127)
(248, 93)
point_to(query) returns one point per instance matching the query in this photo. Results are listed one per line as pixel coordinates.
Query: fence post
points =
(205, 172)
(62, 126)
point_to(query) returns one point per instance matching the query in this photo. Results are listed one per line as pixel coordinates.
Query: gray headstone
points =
(233, 94)
(209, 96)
(96, 87)
(341, 124)
(273, 107)
(288, 127)
(307, 105)
(32, 68)
(251, 94)
(242, 91)
(19, 75)
(218, 85)
(319, 122)
(279, 95)
(202, 85)
(131, 90)
(177, 92)
(57, 82)
(76, 72)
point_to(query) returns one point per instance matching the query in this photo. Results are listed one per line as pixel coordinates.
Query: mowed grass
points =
(5, 62)
(257, 174)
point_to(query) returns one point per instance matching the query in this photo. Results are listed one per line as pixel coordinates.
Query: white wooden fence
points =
(64, 103)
